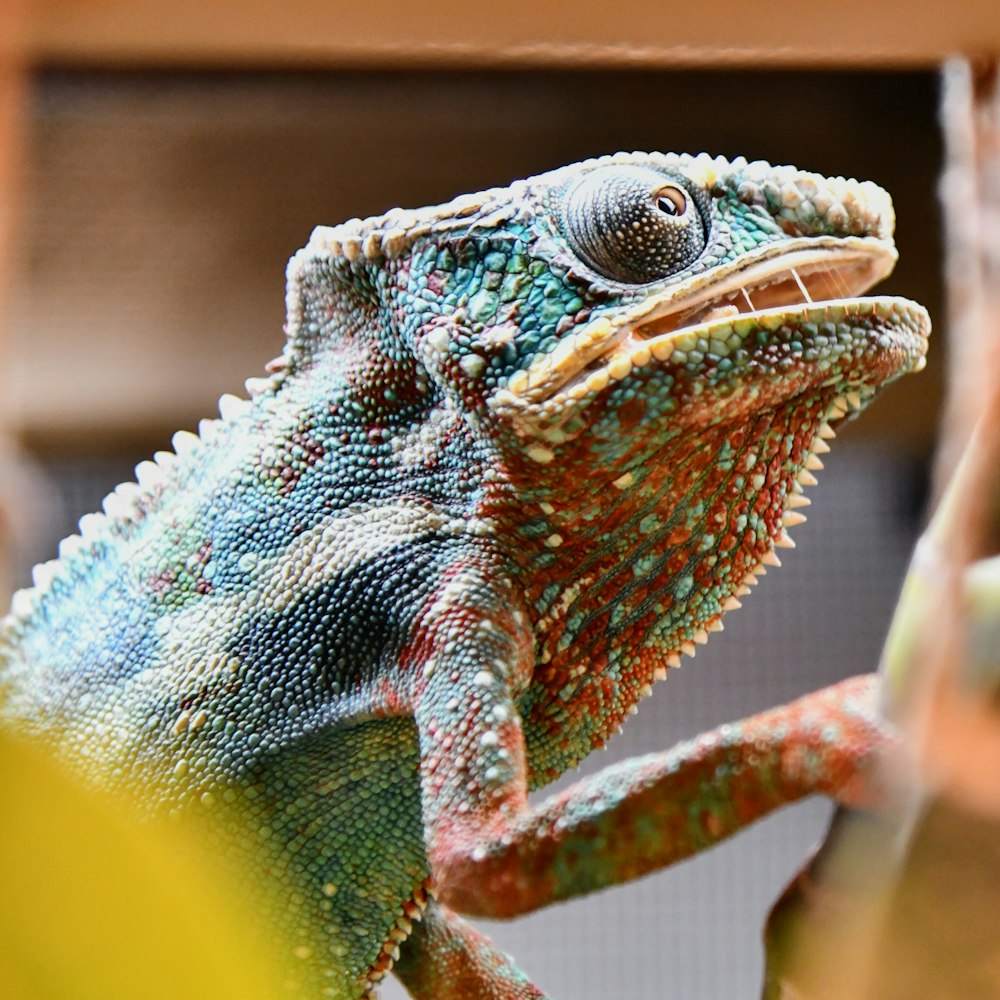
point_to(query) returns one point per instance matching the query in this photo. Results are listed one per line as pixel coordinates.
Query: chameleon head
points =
(610, 294)
(598, 311)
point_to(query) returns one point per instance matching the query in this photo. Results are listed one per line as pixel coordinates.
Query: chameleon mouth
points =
(813, 281)
(802, 277)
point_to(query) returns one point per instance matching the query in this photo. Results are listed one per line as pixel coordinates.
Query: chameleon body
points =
(521, 452)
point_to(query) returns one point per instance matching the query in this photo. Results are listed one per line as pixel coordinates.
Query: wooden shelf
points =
(454, 33)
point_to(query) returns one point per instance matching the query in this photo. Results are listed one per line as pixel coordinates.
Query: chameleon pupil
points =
(671, 202)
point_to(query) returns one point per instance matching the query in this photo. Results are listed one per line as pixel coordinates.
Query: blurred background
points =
(157, 181)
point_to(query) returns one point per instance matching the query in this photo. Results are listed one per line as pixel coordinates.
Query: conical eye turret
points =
(632, 224)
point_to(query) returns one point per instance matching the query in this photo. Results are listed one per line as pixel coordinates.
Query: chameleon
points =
(520, 454)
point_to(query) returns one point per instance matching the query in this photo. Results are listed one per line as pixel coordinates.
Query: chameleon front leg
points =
(494, 857)
(445, 959)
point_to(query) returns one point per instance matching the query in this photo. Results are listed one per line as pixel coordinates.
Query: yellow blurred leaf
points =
(95, 905)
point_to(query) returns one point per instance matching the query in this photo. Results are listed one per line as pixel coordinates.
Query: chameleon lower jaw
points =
(895, 331)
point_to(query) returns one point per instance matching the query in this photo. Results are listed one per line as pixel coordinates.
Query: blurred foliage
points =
(904, 904)
(97, 907)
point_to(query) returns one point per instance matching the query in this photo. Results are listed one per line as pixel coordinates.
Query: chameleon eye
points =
(631, 225)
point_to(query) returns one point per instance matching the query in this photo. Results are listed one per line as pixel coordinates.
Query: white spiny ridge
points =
(125, 503)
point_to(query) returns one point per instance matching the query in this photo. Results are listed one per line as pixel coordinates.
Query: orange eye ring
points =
(671, 200)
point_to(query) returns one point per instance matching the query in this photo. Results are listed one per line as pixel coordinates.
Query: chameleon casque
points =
(521, 452)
